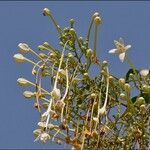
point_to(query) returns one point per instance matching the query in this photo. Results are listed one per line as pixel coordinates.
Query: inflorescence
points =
(83, 111)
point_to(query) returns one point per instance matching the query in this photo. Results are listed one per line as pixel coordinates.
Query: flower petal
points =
(144, 72)
(122, 56)
(128, 46)
(121, 41)
(112, 51)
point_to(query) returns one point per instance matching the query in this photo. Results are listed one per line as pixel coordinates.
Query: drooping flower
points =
(120, 49)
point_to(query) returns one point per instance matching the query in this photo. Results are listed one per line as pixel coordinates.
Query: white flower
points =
(144, 72)
(120, 49)
(23, 47)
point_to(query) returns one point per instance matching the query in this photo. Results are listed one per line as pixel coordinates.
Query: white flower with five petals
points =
(120, 49)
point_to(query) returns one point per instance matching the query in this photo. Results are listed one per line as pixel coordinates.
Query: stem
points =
(95, 40)
(106, 97)
(134, 69)
(48, 111)
(92, 115)
(67, 87)
(89, 31)
(32, 51)
(31, 83)
(61, 59)
(82, 147)
(56, 24)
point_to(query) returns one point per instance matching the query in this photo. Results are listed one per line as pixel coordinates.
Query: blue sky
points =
(23, 22)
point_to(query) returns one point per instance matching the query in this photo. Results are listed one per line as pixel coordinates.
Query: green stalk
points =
(95, 40)
(134, 70)
(89, 31)
(56, 24)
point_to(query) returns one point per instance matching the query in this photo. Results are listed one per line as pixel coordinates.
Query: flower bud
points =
(127, 87)
(42, 55)
(121, 82)
(131, 75)
(122, 96)
(97, 20)
(28, 94)
(42, 47)
(72, 30)
(46, 12)
(22, 82)
(70, 55)
(146, 88)
(23, 47)
(46, 44)
(111, 78)
(86, 75)
(96, 14)
(56, 94)
(139, 101)
(72, 21)
(89, 53)
(19, 58)
(142, 109)
(53, 55)
(93, 95)
(105, 63)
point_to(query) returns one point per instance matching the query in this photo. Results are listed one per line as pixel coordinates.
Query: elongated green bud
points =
(23, 47)
(19, 58)
(22, 82)
(127, 87)
(28, 94)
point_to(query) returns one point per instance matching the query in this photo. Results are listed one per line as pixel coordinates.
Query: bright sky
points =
(23, 22)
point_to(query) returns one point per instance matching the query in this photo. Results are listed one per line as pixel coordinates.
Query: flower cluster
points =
(82, 111)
